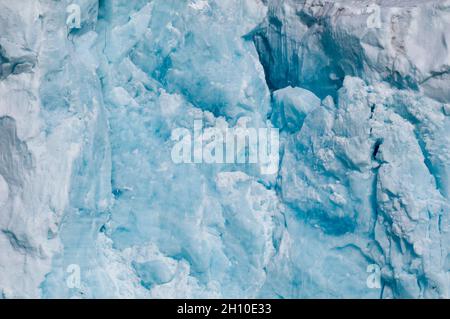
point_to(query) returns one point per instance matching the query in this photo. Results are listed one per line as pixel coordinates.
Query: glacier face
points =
(92, 205)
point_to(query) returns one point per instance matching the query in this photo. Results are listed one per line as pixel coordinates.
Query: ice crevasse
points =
(87, 182)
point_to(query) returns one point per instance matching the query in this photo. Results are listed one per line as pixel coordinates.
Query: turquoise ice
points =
(88, 187)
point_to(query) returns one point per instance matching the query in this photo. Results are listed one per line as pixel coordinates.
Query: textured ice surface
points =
(88, 186)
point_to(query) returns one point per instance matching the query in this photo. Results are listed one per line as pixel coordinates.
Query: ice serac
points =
(368, 168)
(52, 123)
(188, 230)
(291, 106)
(87, 182)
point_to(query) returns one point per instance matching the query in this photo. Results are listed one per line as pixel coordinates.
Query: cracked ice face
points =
(93, 90)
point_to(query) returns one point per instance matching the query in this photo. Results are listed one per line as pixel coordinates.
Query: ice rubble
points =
(86, 176)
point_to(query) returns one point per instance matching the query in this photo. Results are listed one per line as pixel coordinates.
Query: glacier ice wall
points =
(87, 182)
